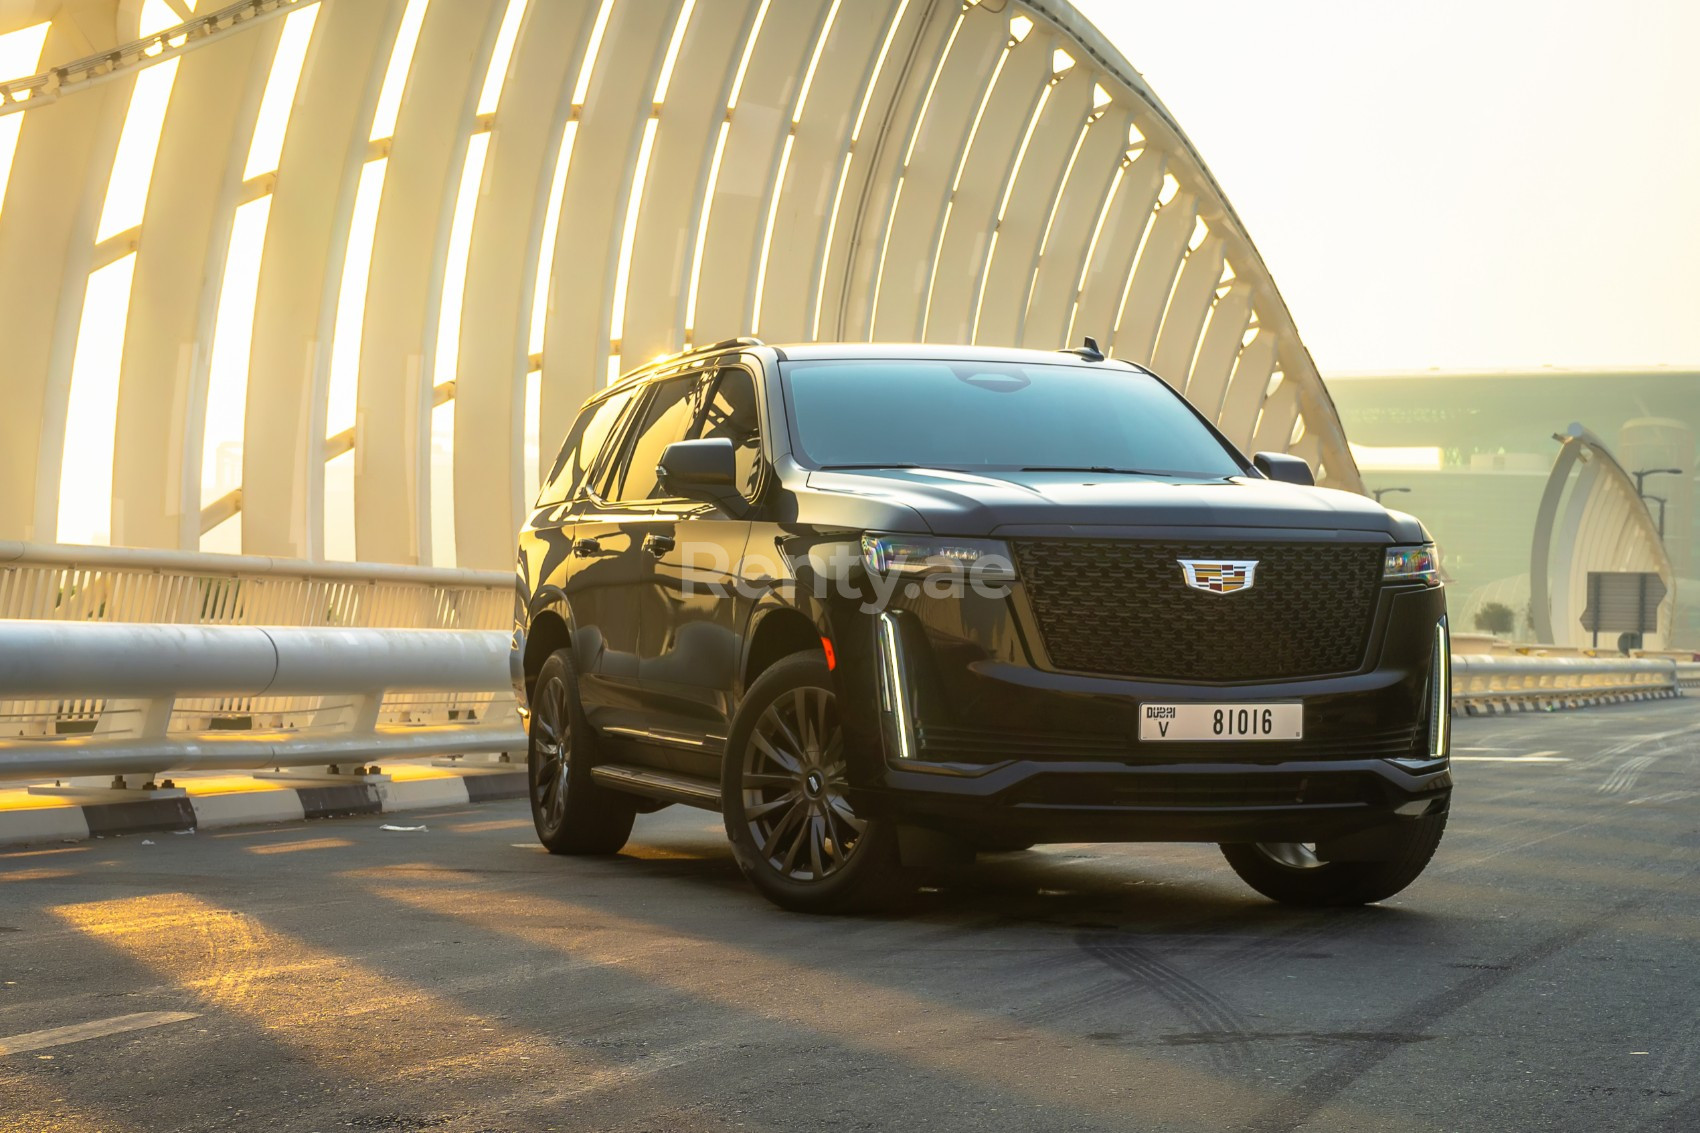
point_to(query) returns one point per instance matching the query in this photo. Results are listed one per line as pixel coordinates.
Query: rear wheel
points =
(1291, 872)
(784, 797)
(572, 813)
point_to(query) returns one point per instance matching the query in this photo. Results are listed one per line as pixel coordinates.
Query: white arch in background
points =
(1591, 519)
(653, 174)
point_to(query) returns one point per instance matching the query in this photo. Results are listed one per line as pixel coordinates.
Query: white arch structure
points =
(339, 221)
(1591, 518)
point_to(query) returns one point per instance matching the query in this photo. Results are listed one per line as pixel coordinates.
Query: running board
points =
(670, 739)
(658, 785)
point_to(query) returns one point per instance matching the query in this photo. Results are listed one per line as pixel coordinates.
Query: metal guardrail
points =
(1482, 682)
(123, 584)
(143, 676)
(60, 585)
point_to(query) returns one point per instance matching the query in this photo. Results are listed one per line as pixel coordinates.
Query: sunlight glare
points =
(91, 419)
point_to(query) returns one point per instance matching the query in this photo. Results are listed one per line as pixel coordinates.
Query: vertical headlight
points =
(894, 685)
(1440, 693)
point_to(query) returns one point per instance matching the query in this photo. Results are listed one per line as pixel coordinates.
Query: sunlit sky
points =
(1452, 183)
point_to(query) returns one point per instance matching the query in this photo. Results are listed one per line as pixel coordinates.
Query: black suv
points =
(882, 603)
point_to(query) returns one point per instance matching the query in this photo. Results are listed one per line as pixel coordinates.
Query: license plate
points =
(1240, 722)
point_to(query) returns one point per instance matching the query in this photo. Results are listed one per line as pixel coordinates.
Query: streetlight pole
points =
(1642, 474)
(1379, 492)
(1640, 478)
(1661, 501)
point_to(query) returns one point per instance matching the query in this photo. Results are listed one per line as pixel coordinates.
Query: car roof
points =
(824, 351)
(813, 351)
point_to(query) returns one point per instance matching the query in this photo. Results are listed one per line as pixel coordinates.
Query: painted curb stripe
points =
(355, 798)
(491, 787)
(144, 816)
(285, 804)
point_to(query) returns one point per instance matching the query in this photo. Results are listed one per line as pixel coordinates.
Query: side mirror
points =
(702, 470)
(1284, 467)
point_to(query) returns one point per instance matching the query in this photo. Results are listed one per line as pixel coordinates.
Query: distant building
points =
(1475, 450)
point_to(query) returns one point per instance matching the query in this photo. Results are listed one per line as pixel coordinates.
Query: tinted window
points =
(669, 415)
(578, 452)
(732, 414)
(995, 415)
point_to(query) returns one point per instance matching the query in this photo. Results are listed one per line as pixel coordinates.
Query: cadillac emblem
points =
(1219, 577)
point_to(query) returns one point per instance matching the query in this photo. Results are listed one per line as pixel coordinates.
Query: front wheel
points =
(572, 813)
(783, 796)
(1291, 873)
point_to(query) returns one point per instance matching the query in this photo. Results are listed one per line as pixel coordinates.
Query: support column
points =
(1045, 324)
(1111, 261)
(947, 306)
(168, 338)
(876, 165)
(501, 274)
(283, 466)
(53, 200)
(1189, 305)
(392, 453)
(1154, 277)
(809, 192)
(593, 209)
(677, 184)
(749, 169)
(935, 148)
(1032, 196)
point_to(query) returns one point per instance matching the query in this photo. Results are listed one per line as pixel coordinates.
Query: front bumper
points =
(1045, 801)
(973, 737)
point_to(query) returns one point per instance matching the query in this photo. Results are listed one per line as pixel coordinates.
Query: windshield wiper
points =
(1099, 468)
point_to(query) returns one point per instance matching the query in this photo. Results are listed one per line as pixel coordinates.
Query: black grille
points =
(1123, 608)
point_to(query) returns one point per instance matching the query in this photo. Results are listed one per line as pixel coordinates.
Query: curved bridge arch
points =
(483, 207)
(1591, 518)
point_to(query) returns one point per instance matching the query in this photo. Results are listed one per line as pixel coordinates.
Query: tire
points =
(572, 813)
(782, 795)
(1290, 873)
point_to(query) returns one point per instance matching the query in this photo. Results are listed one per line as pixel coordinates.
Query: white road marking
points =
(99, 1028)
(1484, 749)
(1509, 759)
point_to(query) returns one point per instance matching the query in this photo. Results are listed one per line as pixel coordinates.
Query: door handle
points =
(584, 548)
(658, 545)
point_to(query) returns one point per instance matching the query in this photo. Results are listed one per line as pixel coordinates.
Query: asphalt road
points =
(334, 975)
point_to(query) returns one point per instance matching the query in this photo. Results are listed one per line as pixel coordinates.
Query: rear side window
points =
(584, 441)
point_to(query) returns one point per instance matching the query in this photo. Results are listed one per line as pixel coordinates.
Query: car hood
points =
(949, 502)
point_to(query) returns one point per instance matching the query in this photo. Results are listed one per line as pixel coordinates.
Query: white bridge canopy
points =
(300, 277)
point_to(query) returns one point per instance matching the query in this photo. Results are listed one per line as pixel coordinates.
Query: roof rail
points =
(689, 352)
(725, 344)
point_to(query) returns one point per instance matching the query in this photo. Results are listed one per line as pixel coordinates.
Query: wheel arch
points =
(775, 634)
(549, 631)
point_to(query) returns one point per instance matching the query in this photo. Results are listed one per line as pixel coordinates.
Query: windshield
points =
(995, 415)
